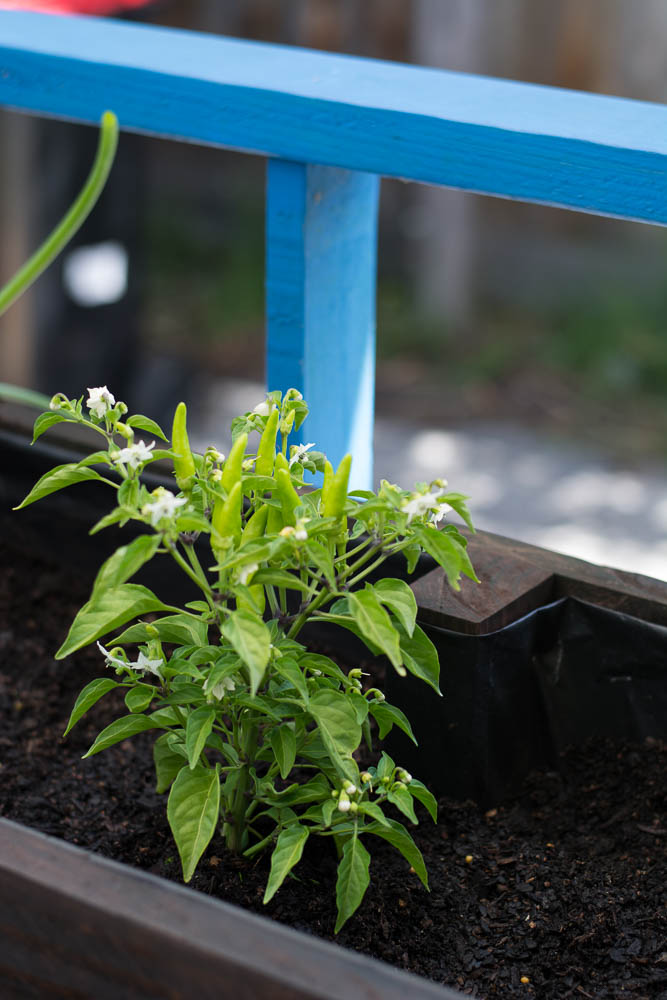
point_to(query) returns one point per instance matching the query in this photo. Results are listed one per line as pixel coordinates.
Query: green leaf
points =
(422, 794)
(105, 522)
(252, 641)
(167, 762)
(447, 552)
(373, 810)
(321, 557)
(289, 670)
(401, 798)
(58, 479)
(146, 424)
(87, 698)
(139, 697)
(286, 854)
(197, 730)
(106, 611)
(336, 719)
(396, 835)
(421, 657)
(182, 630)
(397, 595)
(283, 744)
(353, 880)
(125, 562)
(121, 729)
(315, 790)
(192, 811)
(97, 458)
(388, 716)
(375, 624)
(45, 421)
(280, 578)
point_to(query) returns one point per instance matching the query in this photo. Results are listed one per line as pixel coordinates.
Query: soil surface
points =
(558, 893)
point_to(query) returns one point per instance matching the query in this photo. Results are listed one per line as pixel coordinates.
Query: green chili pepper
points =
(288, 496)
(231, 473)
(266, 452)
(326, 484)
(256, 524)
(274, 523)
(184, 463)
(334, 504)
(281, 462)
(226, 516)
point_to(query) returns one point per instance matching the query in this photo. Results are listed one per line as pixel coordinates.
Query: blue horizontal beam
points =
(587, 152)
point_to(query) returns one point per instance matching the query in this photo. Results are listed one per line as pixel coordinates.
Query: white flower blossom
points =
(225, 684)
(438, 515)
(297, 452)
(100, 401)
(141, 665)
(245, 572)
(262, 409)
(164, 505)
(134, 455)
(351, 789)
(422, 503)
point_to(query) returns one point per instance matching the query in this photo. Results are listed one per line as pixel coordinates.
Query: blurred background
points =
(522, 346)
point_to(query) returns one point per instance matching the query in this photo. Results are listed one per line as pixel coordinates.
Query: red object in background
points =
(73, 6)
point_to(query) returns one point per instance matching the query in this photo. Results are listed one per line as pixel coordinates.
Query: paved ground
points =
(520, 485)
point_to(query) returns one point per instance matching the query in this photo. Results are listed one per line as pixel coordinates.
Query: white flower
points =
(100, 401)
(164, 505)
(218, 690)
(142, 664)
(297, 451)
(135, 454)
(438, 515)
(421, 503)
(262, 409)
(245, 572)
(351, 789)
(300, 533)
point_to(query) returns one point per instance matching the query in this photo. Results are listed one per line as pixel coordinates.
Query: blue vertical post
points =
(321, 259)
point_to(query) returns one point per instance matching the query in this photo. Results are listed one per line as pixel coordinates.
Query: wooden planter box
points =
(73, 924)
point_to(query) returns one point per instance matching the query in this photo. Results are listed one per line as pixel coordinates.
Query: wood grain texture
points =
(588, 152)
(321, 236)
(77, 925)
(517, 578)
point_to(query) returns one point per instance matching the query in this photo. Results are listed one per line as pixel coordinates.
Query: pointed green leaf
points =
(106, 611)
(447, 551)
(252, 641)
(375, 624)
(457, 501)
(146, 424)
(286, 854)
(387, 716)
(373, 810)
(45, 421)
(421, 657)
(401, 798)
(125, 562)
(198, 728)
(121, 729)
(280, 578)
(353, 880)
(398, 597)
(336, 718)
(319, 554)
(192, 811)
(290, 671)
(283, 744)
(139, 697)
(183, 630)
(167, 762)
(422, 794)
(396, 835)
(105, 522)
(87, 698)
(58, 479)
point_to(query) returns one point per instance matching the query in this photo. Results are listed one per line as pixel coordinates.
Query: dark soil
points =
(559, 893)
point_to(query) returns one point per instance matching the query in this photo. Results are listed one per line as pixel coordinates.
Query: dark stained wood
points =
(76, 925)
(515, 578)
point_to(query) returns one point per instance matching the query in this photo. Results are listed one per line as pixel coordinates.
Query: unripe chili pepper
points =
(184, 463)
(226, 516)
(231, 472)
(266, 452)
(274, 522)
(326, 484)
(281, 462)
(334, 503)
(288, 496)
(256, 524)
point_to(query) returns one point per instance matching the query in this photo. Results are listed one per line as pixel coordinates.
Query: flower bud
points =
(398, 786)
(343, 803)
(351, 789)
(403, 775)
(354, 674)
(354, 807)
(366, 777)
(124, 430)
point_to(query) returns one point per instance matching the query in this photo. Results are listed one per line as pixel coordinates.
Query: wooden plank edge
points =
(113, 927)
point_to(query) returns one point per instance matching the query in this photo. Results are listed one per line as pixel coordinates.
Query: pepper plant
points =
(257, 736)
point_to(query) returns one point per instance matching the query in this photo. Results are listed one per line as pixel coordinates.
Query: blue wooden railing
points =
(330, 126)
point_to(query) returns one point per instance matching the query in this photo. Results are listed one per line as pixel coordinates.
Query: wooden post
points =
(321, 234)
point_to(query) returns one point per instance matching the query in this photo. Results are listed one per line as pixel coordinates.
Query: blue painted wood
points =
(583, 151)
(321, 236)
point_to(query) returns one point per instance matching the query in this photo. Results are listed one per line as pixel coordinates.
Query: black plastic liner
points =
(515, 698)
